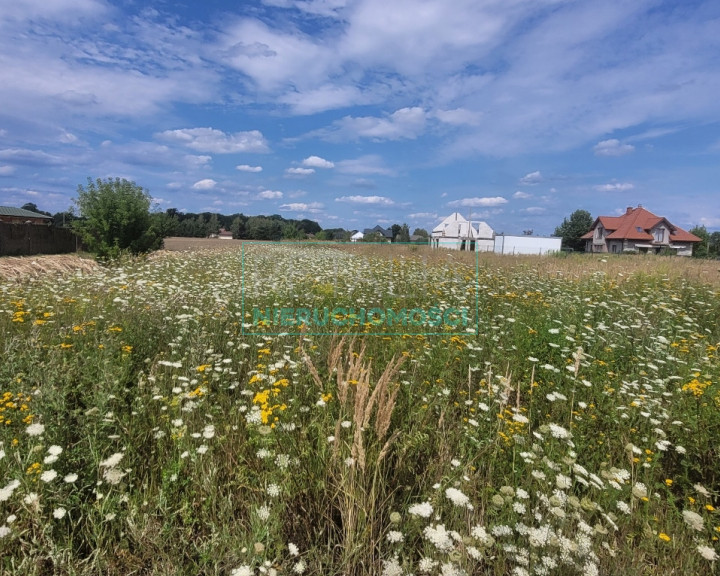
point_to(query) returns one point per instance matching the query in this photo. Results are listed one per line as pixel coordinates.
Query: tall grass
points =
(144, 432)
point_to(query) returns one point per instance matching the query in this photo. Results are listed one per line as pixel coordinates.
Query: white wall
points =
(526, 244)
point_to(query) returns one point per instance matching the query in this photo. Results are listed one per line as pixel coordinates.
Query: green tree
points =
(404, 234)
(573, 228)
(701, 249)
(715, 244)
(32, 207)
(421, 232)
(237, 227)
(115, 218)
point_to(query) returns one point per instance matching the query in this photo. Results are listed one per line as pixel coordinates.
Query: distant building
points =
(457, 233)
(384, 232)
(638, 230)
(525, 244)
(225, 234)
(357, 236)
(20, 216)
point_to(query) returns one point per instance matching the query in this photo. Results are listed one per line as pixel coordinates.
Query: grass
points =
(142, 431)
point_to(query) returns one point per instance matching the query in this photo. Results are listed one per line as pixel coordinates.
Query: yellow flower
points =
(709, 507)
(664, 537)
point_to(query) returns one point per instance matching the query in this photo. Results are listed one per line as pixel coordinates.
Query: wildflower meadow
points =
(149, 424)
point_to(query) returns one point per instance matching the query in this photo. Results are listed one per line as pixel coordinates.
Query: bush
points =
(115, 218)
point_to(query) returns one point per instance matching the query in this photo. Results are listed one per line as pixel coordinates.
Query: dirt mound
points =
(21, 268)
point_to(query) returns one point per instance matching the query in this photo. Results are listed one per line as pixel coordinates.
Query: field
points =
(155, 418)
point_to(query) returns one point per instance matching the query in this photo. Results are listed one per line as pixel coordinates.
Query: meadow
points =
(149, 426)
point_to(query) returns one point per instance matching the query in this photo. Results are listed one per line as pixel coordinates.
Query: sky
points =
(362, 112)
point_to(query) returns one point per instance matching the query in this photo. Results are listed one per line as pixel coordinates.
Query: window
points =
(659, 235)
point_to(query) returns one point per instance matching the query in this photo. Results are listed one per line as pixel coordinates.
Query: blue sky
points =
(359, 112)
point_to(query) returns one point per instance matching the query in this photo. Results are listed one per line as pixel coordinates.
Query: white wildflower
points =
(113, 461)
(7, 491)
(458, 498)
(48, 475)
(424, 509)
(707, 553)
(59, 513)
(693, 520)
(395, 536)
(439, 537)
(35, 429)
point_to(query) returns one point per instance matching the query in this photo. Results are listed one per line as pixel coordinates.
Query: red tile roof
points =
(636, 224)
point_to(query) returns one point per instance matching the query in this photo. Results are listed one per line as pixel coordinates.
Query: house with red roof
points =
(638, 230)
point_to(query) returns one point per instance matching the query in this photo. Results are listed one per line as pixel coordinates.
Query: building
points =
(638, 230)
(526, 244)
(225, 234)
(20, 216)
(457, 233)
(357, 236)
(386, 233)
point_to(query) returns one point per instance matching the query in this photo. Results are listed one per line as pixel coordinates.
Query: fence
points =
(28, 239)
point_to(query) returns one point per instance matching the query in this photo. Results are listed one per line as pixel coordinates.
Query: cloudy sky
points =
(359, 112)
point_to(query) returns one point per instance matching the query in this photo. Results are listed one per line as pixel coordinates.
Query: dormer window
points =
(659, 234)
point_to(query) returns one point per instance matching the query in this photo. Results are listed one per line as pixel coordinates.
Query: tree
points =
(570, 230)
(404, 234)
(715, 244)
(701, 249)
(395, 230)
(115, 218)
(421, 232)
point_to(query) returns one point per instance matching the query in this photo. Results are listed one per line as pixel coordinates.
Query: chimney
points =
(628, 210)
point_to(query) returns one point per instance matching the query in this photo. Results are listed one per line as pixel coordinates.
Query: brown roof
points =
(636, 224)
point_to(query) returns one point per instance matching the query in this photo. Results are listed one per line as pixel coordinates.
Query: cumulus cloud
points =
(520, 195)
(486, 201)
(302, 206)
(248, 168)
(458, 117)
(370, 164)
(216, 141)
(270, 194)
(403, 124)
(612, 147)
(317, 162)
(29, 157)
(380, 200)
(423, 216)
(614, 187)
(206, 184)
(533, 210)
(531, 178)
(7, 170)
(300, 171)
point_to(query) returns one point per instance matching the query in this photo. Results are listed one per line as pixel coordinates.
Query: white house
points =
(457, 233)
(357, 236)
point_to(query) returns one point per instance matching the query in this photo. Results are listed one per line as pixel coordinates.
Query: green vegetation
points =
(143, 431)
(115, 218)
(572, 229)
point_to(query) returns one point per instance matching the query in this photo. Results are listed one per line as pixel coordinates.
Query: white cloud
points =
(403, 124)
(248, 168)
(423, 216)
(270, 194)
(300, 171)
(614, 187)
(317, 162)
(486, 201)
(206, 184)
(458, 117)
(612, 147)
(7, 170)
(381, 200)
(531, 178)
(302, 206)
(520, 195)
(534, 210)
(216, 141)
(29, 157)
(370, 164)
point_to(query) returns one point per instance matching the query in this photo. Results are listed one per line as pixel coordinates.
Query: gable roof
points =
(385, 232)
(637, 224)
(456, 226)
(20, 213)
